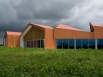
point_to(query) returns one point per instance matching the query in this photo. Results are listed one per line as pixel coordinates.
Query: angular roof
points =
(30, 25)
(62, 26)
(13, 33)
(93, 24)
(41, 26)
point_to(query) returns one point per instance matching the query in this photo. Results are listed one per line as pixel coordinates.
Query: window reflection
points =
(34, 44)
(85, 43)
(92, 43)
(78, 43)
(100, 43)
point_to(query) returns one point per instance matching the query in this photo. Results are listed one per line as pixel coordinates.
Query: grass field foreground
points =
(19, 62)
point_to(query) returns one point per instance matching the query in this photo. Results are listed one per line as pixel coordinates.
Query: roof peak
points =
(94, 24)
(42, 26)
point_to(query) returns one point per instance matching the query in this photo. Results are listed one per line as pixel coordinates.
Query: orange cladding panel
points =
(13, 41)
(50, 42)
(98, 32)
(33, 34)
(71, 34)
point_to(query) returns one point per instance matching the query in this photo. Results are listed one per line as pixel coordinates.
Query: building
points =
(71, 38)
(38, 36)
(11, 39)
(61, 37)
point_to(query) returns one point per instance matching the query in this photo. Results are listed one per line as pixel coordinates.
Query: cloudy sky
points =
(16, 14)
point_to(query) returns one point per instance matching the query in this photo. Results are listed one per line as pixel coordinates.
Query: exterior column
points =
(96, 44)
(21, 42)
(74, 43)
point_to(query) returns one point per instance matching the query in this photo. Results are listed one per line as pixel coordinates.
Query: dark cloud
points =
(48, 9)
(16, 14)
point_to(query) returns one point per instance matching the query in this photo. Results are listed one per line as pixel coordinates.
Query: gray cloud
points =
(48, 9)
(15, 14)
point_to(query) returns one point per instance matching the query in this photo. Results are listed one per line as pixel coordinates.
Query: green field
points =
(18, 62)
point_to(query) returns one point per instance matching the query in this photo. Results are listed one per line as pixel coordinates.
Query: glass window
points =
(28, 44)
(35, 43)
(59, 44)
(100, 43)
(42, 43)
(92, 43)
(78, 43)
(71, 43)
(25, 44)
(65, 44)
(38, 43)
(84, 43)
(31, 44)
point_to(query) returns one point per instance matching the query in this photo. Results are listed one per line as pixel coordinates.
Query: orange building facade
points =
(60, 37)
(11, 39)
(71, 38)
(38, 36)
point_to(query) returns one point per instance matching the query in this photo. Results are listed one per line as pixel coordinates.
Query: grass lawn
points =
(19, 62)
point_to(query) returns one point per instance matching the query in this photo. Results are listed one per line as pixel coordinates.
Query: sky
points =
(16, 14)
